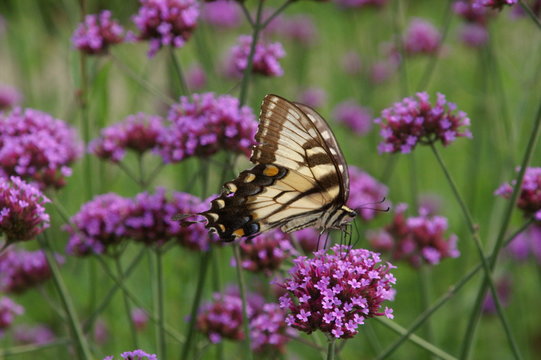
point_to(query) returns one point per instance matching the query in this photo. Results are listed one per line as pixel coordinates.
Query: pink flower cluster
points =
(139, 133)
(134, 355)
(415, 121)
(336, 292)
(529, 200)
(166, 22)
(417, 240)
(205, 124)
(266, 252)
(36, 335)
(109, 219)
(97, 33)
(22, 210)
(9, 97)
(421, 38)
(365, 193)
(222, 13)
(473, 33)
(36, 146)
(21, 270)
(494, 4)
(355, 117)
(527, 243)
(8, 311)
(266, 56)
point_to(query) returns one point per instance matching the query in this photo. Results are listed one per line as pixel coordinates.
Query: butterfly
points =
(300, 178)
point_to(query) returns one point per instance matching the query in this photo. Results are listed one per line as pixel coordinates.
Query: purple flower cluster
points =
(266, 252)
(8, 311)
(415, 121)
(36, 146)
(166, 22)
(365, 190)
(196, 78)
(97, 33)
(134, 355)
(222, 319)
(529, 200)
(139, 318)
(36, 335)
(503, 288)
(139, 133)
(9, 97)
(336, 292)
(527, 243)
(205, 124)
(313, 97)
(346, 4)
(21, 270)
(354, 116)
(300, 29)
(422, 38)
(222, 13)
(494, 4)
(417, 240)
(22, 214)
(310, 240)
(99, 224)
(266, 56)
(351, 63)
(473, 33)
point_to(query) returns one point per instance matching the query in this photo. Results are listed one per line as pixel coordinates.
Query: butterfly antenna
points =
(364, 206)
(358, 232)
(181, 218)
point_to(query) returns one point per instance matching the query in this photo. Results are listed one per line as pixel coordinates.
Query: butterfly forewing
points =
(299, 179)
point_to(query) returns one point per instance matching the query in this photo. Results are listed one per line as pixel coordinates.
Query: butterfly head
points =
(350, 214)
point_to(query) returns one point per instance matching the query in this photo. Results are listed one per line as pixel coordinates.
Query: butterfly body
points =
(300, 178)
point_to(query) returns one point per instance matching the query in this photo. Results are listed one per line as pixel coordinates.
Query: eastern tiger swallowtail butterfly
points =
(300, 178)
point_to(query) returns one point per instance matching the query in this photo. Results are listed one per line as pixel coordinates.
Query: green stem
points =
(203, 267)
(242, 286)
(277, 12)
(331, 349)
(531, 14)
(160, 305)
(180, 74)
(75, 326)
(425, 299)
(127, 306)
(397, 29)
(131, 175)
(486, 267)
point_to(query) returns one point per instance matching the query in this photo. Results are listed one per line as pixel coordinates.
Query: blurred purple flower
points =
(22, 211)
(138, 133)
(139, 318)
(313, 97)
(33, 335)
(365, 190)
(8, 311)
(529, 200)
(101, 333)
(134, 355)
(268, 330)
(166, 22)
(196, 78)
(351, 63)
(430, 203)
(310, 240)
(300, 29)
(416, 240)
(494, 4)
(346, 4)
(9, 97)
(335, 293)
(97, 33)
(266, 252)
(518, 11)
(470, 13)
(222, 13)
(36, 146)
(99, 224)
(205, 124)
(527, 243)
(382, 71)
(503, 288)
(21, 270)
(474, 35)
(415, 121)
(266, 56)
(354, 116)
(421, 38)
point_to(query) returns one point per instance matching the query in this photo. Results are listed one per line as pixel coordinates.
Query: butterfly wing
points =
(299, 175)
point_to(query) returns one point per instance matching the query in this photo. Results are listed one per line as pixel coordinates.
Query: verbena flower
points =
(354, 116)
(417, 240)
(382, 71)
(365, 193)
(205, 124)
(351, 63)
(8, 311)
(97, 33)
(415, 121)
(139, 133)
(99, 224)
(265, 60)
(518, 11)
(494, 4)
(346, 4)
(196, 78)
(268, 330)
(37, 147)
(32, 335)
(300, 29)
(529, 200)
(470, 13)
(473, 35)
(336, 292)
(526, 244)
(9, 97)
(310, 240)
(134, 355)
(503, 288)
(266, 252)
(166, 22)
(139, 318)
(313, 97)
(222, 13)
(421, 38)
(22, 211)
(21, 270)
(101, 333)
